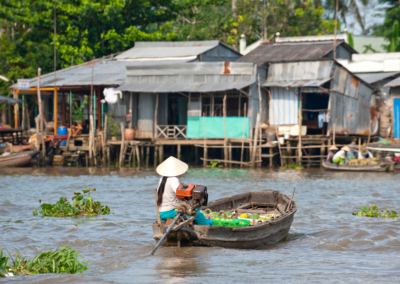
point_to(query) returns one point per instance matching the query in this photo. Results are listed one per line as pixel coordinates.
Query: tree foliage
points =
(88, 28)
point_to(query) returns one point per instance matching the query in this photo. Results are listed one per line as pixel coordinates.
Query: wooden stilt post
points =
(134, 155)
(156, 117)
(43, 154)
(142, 153)
(196, 155)
(205, 156)
(137, 156)
(55, 98)
(155, 155)
(121, 154)
(271, 159)
(64, 110)
(161, 153)
(147, 156)
(37, 143)
(108, 156)
(279, 144)
(225, 142)
(300, 124)
(105, 139)
(253, 158)
(179, 151)
(244, 132)
(130, 109)
(16, 108)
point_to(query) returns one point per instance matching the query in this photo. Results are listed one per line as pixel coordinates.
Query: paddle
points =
(166, 233)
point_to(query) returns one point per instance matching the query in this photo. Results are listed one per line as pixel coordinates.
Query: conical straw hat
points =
(333, 148)
(345, 148)
(172, 167)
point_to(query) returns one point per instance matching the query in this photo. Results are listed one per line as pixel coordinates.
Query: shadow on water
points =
(325, 241)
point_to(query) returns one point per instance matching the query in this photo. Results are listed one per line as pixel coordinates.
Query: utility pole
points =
(334, 39)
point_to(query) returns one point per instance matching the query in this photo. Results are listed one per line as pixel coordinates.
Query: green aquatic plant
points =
(292, 166)
(214, 165)
(80, 205)
(64, 260)
(375, 212)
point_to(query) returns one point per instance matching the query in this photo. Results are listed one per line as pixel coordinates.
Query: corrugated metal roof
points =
(394, 83)
(290, 72)
(276, 52)
(106, 72)
(158, 49)
(190, 77)
(292, 84)
(371, 78)
(4, 99)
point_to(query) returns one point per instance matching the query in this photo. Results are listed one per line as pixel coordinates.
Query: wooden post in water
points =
(121, 154)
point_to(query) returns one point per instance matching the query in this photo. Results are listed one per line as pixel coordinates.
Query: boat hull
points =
(250, 237)
(21, 159)
(375, 168)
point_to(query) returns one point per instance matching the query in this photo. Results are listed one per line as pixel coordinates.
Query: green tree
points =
(347, 8)
(85, 29)
(392, 14)
(262, 19)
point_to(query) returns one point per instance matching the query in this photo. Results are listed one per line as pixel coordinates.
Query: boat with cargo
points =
(278, 209)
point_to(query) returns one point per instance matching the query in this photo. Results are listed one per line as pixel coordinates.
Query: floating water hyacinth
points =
(80, 205)
(375, 212)
(64, 260)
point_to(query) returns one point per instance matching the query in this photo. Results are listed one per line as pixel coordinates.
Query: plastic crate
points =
(222, 222)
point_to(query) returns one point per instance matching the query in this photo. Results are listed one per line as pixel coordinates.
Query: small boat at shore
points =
(249, 237)
(20, 159)
(383, 167)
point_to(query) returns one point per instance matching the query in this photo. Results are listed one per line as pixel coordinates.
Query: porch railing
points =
(171, 131)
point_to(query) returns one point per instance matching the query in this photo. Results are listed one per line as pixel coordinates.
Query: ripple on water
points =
(325, 242)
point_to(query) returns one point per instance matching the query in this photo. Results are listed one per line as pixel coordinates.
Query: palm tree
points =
(346, 7)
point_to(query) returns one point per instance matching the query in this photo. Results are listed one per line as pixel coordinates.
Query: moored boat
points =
(384, 167)
(20, 159)
(249, 237)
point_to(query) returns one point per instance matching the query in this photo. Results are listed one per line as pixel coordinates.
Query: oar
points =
(166, 233)
(291, 198)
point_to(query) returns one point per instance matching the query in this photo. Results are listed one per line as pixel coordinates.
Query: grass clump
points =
(80, 205)
(292, 167)
(375, 212)
(64, 260)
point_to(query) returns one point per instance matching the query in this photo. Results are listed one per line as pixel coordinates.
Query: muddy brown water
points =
(325, 244)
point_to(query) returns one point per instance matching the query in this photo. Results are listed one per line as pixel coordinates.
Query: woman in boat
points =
(169, 170)
(364, 153)
(333, 150)
(340, 156)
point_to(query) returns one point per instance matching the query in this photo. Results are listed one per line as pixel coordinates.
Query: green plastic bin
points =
(222, 222)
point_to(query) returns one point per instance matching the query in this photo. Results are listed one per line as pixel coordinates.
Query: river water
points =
(325, 243)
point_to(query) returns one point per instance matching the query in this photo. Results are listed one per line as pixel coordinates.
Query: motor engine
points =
(191, 197)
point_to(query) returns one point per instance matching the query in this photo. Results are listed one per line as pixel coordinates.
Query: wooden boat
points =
(250, 237)
(361, 168)
(20, 159)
